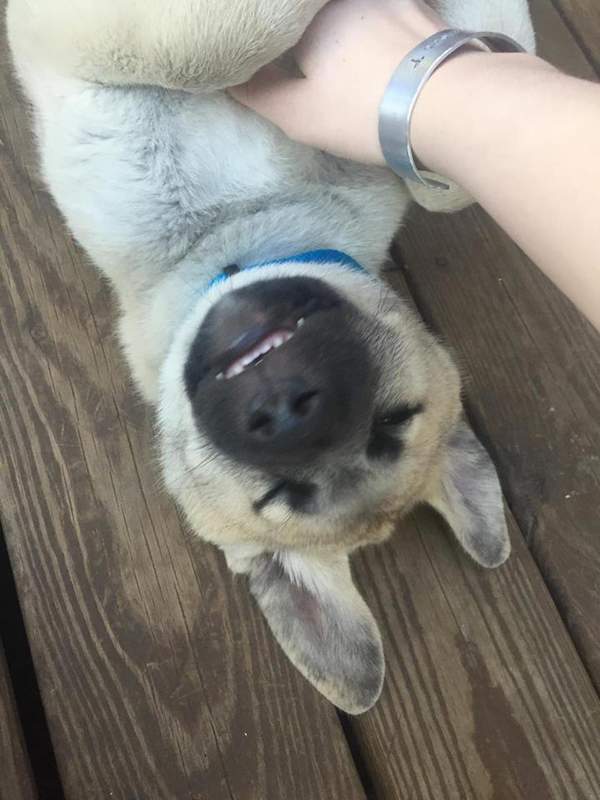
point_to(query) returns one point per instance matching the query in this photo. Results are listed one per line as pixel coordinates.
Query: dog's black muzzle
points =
(278, 374)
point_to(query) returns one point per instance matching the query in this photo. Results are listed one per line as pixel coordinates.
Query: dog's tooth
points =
(300, 322)
(271, 342)
(234, 370)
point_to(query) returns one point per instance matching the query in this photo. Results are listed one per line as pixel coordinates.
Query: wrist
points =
(399, 28)
(460, 98)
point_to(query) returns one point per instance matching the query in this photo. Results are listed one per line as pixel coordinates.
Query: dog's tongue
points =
(270, 342)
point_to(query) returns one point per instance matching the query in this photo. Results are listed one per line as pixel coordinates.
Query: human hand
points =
(347, 56)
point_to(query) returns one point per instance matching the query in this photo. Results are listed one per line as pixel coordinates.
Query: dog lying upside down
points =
(302, 405)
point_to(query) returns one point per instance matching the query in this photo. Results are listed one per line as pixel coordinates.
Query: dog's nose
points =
(292, 416)
(283, 374)
(291, 409)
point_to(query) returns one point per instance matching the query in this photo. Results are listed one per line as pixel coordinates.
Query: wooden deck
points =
(136, 668)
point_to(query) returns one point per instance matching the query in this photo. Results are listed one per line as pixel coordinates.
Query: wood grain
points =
(583, 19)
(16, 782)
(159, 678)
(485, 696)
(556, 42)
(533, 382)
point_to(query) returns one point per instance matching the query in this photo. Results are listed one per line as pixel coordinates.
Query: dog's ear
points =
(468, 496)
(323, 624)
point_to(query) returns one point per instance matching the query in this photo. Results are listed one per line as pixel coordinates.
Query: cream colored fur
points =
(172, 43)
(168, 43)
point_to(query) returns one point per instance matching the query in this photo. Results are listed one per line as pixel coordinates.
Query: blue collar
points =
(310, 257)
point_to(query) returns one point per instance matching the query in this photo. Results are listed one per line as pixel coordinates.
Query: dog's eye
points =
(396, 416)
(382, 442)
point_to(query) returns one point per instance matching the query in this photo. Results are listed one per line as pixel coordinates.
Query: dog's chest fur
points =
(166, 188)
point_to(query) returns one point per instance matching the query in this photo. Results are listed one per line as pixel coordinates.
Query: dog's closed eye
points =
(383, 443)
(397, 416)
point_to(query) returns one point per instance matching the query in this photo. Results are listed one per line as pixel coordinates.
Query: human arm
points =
(517, 134)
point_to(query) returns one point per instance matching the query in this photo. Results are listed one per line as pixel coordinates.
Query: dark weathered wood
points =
(583, 19)
(16, 782)
(485, 696)
(533, 387)
(556, 42)
(161, 681)
(532, 365)
(159, 678)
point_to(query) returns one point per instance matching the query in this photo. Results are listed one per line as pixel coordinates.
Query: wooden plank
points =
(482, 685)
(159, 678)
(485, 697)
(583, 19)
(556, 42)
(16, 781)
(533, 367)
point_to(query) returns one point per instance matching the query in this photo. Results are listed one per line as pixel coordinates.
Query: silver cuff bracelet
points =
(404, 88)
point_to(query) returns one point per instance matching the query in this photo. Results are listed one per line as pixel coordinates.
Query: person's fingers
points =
(283, 100)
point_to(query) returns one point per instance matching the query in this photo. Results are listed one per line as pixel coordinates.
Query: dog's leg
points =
(185, 44)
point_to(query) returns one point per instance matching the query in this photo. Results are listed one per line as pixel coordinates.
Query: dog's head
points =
(304, 407)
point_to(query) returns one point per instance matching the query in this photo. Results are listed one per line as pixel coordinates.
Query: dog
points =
(302, 406)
